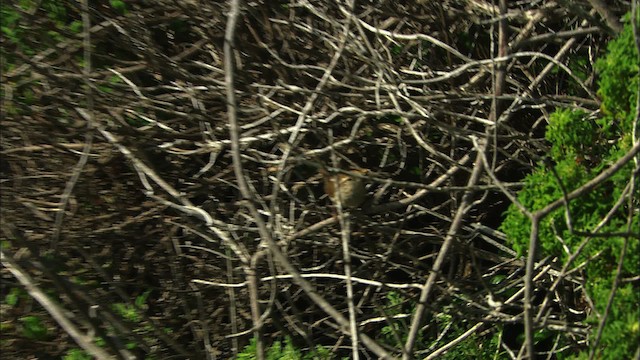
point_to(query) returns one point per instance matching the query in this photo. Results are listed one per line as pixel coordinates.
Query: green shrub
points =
(581, 148)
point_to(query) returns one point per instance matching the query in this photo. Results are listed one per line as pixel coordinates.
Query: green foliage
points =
(133, 314)
(571, 134)
(135, 120)
(100, 341)
(580, 149)
(9, 18)
(119, 5)
(130, 312)
(580, 67)
(75, 26)
(395, 302)
(141, 300)
(21, 34)
(619, 81)
(389, 118)
(108, 86)
(621, 334)
(13, 296)
(473, 347)
(476, 347)
(77, 354)
(286, 351)
(16, 27)
(33, 328)
(395, 333)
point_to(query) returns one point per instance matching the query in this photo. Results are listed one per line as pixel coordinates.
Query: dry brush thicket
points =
(119, 174)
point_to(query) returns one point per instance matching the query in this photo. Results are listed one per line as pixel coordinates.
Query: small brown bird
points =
(350, 190)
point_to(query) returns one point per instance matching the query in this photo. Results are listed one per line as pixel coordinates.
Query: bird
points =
(348, 189)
